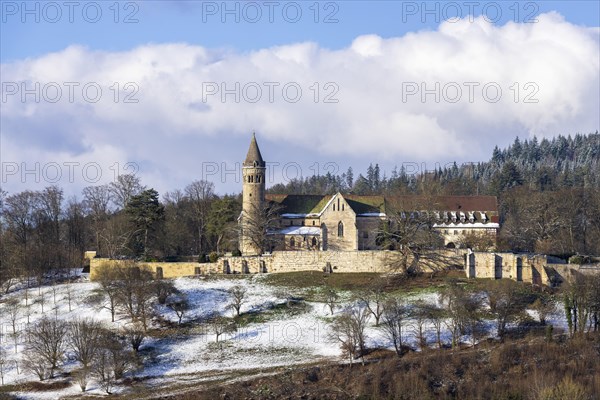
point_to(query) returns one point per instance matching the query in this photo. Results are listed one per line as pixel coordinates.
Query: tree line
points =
(548, 191)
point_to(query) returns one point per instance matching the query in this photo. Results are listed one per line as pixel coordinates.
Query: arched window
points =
(314, 242)
(340, 229)
(338, 203)
(292, 242)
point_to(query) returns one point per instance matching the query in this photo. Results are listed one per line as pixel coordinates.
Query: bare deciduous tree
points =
(3, 363)
(112, 360)
(507, 302)
(238, 298)
(349, 330)
(84, 337)
(180, 306)
(374, 299)
(392, 323)
(13, 309)
(46, 347)
(220, 325)
(107, 278)
(135, 334)
(331, 299)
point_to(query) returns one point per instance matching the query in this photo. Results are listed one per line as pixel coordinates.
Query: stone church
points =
(346, 222)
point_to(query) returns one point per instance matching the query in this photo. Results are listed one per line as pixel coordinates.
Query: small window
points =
(340, 229)
(333, 206)
(342, 206)
(292, 242)
(314, 242)
(302, 222)
(313, 222)
(338, 203)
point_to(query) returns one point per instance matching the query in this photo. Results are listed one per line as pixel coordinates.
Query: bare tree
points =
(163, 289)
(220, 325)
(238, 298)
(436, 316)
(463, 311)
(412, 234)
(507, 302)
(418, 314)
(331, 299)
(545, 304)
(96, 201)
(108, 279)
(180, 306)
(200, 195)
(3, 363)
(261, 225)
(393, 319)
(374, 299)
(135, 334)
(46, 346)
(349, 330)
(13, 309)
(125, 187)
(112, 360)
(135, 291)
(84, 337)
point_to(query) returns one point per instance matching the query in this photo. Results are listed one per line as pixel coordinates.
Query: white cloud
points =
(552, 61)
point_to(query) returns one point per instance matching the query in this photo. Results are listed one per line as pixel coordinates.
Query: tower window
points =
(340, 229)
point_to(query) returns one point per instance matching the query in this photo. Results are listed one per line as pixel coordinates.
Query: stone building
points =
(345, 222)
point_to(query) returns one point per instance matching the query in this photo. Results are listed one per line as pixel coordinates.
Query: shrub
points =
(213, 257)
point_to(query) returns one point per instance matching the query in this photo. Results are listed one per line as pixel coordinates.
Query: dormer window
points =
(463, 217)
(471, 217)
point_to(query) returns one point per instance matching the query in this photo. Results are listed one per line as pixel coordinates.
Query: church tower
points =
(253, 198)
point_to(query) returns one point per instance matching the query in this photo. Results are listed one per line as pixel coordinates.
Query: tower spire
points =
(254, 158)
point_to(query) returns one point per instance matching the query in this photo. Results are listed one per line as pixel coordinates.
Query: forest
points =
(548, 192)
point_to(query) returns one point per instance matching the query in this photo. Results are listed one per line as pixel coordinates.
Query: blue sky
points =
(375, 60)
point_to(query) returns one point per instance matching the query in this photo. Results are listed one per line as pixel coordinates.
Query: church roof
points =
(300, 205)
(254, 157)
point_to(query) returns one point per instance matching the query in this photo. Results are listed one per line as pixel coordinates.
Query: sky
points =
(172, 91)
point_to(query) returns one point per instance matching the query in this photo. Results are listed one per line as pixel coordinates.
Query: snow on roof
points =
(490, 225)
(371, 215)
(301, 230)
(290, 215)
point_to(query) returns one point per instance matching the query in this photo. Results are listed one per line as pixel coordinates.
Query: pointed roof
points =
(254, 157)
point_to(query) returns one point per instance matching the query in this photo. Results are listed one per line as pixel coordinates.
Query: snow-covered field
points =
(285, 338)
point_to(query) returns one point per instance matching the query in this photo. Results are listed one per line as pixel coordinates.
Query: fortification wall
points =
(537, 269)
(169, 269)
(280, 261)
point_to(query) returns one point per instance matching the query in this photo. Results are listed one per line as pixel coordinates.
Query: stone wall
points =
(167, 269)
(280, 261)
(531, 268)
